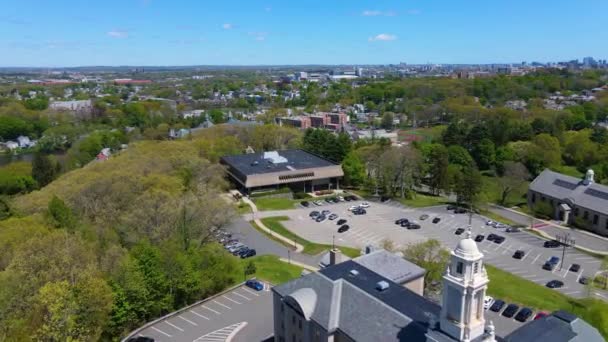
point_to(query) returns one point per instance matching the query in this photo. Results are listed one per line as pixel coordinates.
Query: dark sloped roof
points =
(593, 196)
(250, 164)
(558, 327)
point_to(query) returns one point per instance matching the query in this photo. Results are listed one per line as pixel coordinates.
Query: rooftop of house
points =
(559, 326)
(592, 196)
(277, 161)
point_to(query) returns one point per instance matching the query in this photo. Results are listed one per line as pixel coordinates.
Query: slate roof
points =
(391, 266)
(560, 326)
(352, 304)
(593, 196)
(296, 160)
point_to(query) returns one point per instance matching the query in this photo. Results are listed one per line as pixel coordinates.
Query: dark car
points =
(555, 284)
(519, 254)
(436, 219)
(491, 237)
(424, 217)
(348, 198)
(510, 310)
(413, 226)
(551, 244)
(405, 223)
(248, 254)
(343, 228)
(540, 315)
(479, 238)
(497, 306)
(141, 339)
(450, 207)
(328, 200)
(575, 267)
(314, 214)
(584, 280)
(401, 220)
(320, 218)
(548, 266)
(359, 211)
(523, 314)
(341, 222)
(460, 211)
(459, 231)
(384, 199)
(499, 239)
(305, 204)
(254, 284)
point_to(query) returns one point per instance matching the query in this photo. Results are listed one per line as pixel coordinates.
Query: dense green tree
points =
(387, 120)
(484, 154)
(44, 169)
(458, 155)
(467, 184)
(61, 214)
(354, 170)
(438, 162)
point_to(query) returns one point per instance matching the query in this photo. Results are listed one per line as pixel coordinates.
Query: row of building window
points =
(299, 175)
(596, 218)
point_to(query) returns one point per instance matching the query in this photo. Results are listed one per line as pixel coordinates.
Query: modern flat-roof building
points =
(298, 169)
(572, 199)
(350, 301)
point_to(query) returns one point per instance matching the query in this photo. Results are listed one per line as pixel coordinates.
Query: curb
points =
(177, 312)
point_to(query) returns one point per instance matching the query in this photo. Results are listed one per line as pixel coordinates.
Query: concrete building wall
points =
(291, 326)
(416, 285)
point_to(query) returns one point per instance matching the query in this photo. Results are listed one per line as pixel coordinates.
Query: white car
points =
(340, 198)
(364, 205)
(318, 203)
(353, 207)
(490, 223)
(487, 302)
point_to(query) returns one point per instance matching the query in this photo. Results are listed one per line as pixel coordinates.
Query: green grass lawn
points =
(492, 192)
(423, 200)
(513, 289)
(274, 203)
(271, 269)
(274, 224)
(498, 218)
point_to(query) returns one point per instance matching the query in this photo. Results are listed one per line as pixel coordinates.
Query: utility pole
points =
(288, 256)
(566, 241)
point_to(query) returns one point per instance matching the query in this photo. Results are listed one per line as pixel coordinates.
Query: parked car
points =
(584, 280)
(248, 254)
(305, 204)
(413, 225)
(479, 238)
(575, 267)
(343, 228)
(540, 315)
(551, 244)
(384, 199)
(314, 214)
(523, 314)
(364, 205)
(321, 218)
(555, 284)
(499, 239)
(551, 263)
(235, 251)
(141, 339)
(490, 223)
(519, 254)
(359, 211)
(340, 198)
(513, 230)
(510, 310)
(460, 211)
(348, 198)
(436, 219)
(354, 207)
(254, 284)
(405, 223)
(401, 220)
(341, 222)
(317, 202)
(487, 302)
(424, 217)
(241, 251)
(326, 212)
(234, 247)
(497, 306)
(459, 231)
(450, 207)
(328, 200)
(333, 217)
(491, 237)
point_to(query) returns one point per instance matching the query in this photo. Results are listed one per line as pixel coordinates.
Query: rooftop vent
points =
(354, 273)
(274, 157)
(381, 285)
(255, 163)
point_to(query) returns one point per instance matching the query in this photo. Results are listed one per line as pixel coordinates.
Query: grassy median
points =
(274, 224)
(269, 268)
(513, 289)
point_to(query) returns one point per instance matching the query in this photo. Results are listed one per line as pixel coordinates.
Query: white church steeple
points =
(464, 288)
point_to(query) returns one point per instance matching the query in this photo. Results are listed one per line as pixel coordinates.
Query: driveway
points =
(242, 311)
(378, 225)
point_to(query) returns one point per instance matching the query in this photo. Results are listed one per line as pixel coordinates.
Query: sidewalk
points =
(258, 222)
(585, 241)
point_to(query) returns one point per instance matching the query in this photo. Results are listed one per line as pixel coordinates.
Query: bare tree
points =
(515, 175)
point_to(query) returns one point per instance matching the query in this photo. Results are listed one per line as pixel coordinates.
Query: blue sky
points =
(249, 32)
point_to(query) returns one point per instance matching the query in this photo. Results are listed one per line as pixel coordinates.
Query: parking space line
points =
(572, 292)
(220, 304)
(565, 272)
(506, 249)
(187, 320)
(525, 256)
(580, 274)
(217, 313)
(175, 326)
(160, 331)
(199, 315)
(240, 295)
(232, 300)
(534, 261)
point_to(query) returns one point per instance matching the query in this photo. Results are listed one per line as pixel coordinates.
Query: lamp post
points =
(565, 241)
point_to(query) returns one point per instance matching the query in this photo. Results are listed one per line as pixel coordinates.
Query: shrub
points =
(270, 193)
(543, 210)
(301, 195)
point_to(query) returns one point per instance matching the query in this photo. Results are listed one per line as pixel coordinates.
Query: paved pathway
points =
(585, 240)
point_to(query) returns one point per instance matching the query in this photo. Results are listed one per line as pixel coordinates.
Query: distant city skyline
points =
(69, 33)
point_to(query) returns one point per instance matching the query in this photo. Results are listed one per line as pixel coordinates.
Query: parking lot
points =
(379, 224)
(242, 310)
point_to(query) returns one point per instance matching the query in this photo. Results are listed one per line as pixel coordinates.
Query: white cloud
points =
(227, 26)
(118, 34)
(384, 37)
(375, 13)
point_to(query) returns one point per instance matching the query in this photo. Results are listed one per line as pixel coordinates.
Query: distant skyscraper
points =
(589, 61)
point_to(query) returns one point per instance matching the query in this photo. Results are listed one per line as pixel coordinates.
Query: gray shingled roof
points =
(558, 327)
(593, 196)
(391, 266)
